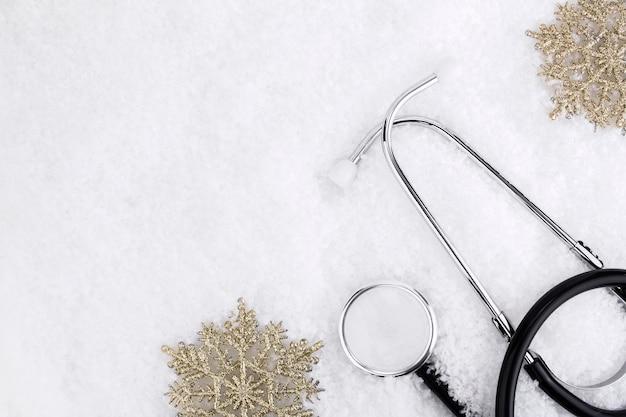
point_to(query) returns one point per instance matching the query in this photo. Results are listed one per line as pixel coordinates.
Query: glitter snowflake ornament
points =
(585, 56)
(239, 371)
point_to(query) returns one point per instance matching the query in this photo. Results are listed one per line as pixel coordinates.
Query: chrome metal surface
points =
(420, 357)
(583, 251)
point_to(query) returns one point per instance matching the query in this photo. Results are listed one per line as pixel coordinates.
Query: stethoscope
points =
(389, 329)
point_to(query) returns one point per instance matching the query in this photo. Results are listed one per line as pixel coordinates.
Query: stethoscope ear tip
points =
(343, 173)
(448, 69)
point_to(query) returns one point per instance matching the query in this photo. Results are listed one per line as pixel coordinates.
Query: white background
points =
(159, 160)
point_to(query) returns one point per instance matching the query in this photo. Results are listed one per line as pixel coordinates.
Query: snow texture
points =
(159, 160)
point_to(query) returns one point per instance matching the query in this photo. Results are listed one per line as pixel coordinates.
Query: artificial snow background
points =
(159, 160)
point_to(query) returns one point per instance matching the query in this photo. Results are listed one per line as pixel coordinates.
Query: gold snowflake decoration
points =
(239, 371)
(585, 54)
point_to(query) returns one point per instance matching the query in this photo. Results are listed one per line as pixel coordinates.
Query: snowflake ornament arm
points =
(585, 56)
(243, 372)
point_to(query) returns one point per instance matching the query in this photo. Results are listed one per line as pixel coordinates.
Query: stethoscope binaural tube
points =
(538, 370)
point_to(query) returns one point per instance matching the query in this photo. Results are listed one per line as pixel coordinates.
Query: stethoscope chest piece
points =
(387, 329)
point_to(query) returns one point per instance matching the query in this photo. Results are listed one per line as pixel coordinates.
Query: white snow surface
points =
(160, 160)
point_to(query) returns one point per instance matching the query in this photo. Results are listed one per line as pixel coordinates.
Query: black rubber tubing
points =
(432, 379)
(525, 333)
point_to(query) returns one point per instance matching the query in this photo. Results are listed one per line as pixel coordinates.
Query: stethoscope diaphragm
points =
(387, 329)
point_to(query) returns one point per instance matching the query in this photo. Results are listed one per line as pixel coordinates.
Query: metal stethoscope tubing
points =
(533, 361)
